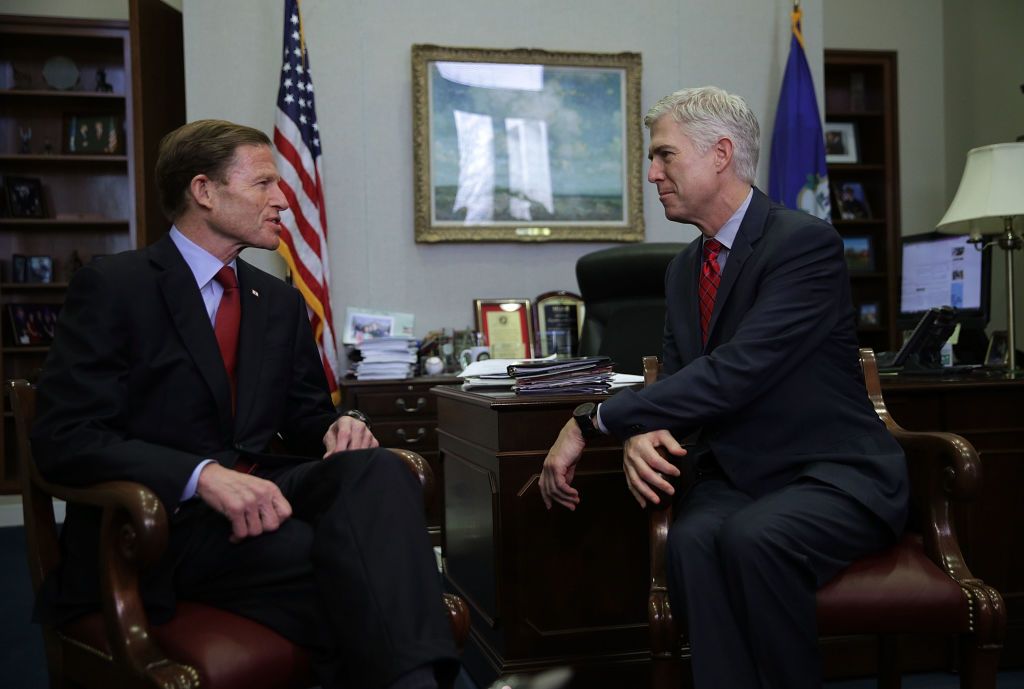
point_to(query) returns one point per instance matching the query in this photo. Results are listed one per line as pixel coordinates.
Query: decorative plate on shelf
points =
(61, 73)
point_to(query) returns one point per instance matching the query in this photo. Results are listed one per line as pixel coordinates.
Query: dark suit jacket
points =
(777, 390)
(135, 388)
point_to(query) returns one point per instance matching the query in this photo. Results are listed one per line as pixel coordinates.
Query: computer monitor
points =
(943, 270)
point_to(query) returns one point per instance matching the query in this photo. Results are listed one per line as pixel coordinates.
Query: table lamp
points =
(991, 193)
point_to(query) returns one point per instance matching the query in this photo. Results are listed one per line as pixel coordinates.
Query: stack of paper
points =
(493, 373)
(579, 375)
(386, 358)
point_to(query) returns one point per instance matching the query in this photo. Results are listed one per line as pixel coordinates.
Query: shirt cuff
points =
(598, 422)
(193, 481)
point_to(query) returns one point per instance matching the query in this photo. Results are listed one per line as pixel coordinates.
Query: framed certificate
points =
(558, 322)
(507, 326)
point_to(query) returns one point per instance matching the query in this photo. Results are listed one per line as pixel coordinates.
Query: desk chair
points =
(919, 585)
(201, 646)
(623, 289)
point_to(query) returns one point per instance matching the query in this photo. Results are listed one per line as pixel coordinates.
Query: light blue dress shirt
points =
(204, 266)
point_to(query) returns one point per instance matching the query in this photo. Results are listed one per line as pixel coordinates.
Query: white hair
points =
(708, 114)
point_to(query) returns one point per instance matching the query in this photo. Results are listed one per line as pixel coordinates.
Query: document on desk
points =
(493, 373)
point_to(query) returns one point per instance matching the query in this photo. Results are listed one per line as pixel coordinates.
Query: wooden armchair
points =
(919, 585)
(201, 646)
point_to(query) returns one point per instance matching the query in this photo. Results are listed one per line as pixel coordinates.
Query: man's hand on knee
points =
(252, 504)
(348, 433)
(646, 468)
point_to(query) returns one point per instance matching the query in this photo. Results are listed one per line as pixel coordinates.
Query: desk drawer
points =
(418, 435)
(396, 403)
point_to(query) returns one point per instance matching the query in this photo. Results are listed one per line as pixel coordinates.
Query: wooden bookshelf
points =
(860, 90)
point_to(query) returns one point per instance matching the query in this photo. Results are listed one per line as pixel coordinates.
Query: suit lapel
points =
(185, 304)
(751, 228)
(250, 340)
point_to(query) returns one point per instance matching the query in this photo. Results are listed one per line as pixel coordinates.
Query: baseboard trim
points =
(12, 515)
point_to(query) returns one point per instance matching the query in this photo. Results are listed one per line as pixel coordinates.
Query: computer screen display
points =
(942, 270)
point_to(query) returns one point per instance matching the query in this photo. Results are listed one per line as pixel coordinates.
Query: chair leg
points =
(979, 664)
(889, 675)
(665, 673)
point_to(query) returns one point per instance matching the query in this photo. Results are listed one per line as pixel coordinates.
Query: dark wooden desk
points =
(544, 588)
(549, 588)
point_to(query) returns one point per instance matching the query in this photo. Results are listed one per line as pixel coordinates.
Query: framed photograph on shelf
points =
(869, 315)
(19, 267)
(39, 269)
(558, 323)
(94, 135)
(507, 326)
(24, 197)
(841, 143)
(526, 145)
(998, 353)
(32, 324)
(860, 254)
(851, 201)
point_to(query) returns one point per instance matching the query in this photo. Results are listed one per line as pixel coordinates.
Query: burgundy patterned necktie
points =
(710, 276)
(225, 326)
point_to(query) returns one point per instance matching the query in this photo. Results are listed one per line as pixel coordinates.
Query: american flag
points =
(304, 238)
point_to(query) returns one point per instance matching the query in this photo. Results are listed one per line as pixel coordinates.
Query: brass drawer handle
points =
(420, 404)
(421, 433)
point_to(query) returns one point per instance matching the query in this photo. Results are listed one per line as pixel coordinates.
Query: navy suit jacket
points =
(777, 392)
(135, 389)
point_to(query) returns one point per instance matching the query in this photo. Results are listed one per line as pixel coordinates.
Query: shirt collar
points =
(203, 264)
(727, 235)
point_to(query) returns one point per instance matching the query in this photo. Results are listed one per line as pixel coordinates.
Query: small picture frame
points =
(25, 197)
(19, 266)
(558, 323)
(32, 325)
(860, 253)
(94, 135)
(507, 326)
(39, 269)
(841, 143)
(869, 315)
(851, 201)
(369, 324)
(998, 353)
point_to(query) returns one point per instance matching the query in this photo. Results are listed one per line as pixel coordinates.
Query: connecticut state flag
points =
(797, 177)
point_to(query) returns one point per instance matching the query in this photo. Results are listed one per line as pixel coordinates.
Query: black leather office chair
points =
(624, 291)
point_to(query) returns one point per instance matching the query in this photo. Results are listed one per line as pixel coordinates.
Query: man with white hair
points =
(793, 475)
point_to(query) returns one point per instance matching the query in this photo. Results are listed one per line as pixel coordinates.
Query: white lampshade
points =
(992, 188)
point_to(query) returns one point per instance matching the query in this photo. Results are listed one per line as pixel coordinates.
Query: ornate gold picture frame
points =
(526, 145)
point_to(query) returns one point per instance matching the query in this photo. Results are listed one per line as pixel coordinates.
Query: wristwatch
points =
(358, 416)
(584, 416)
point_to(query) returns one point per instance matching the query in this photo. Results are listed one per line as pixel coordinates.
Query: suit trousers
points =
(351, 575)
(744, 572)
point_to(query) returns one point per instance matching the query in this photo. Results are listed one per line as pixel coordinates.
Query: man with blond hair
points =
(793, 475)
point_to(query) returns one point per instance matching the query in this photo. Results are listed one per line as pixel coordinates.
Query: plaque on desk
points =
(506, 325)
(558, 322)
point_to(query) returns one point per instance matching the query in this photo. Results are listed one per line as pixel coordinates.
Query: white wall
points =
(984, 105)
(360, 55)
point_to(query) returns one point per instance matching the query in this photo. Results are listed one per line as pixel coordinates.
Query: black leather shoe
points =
(550, 679)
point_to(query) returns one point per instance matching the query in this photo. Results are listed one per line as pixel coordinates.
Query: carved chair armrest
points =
(944, 469)
(133, 536)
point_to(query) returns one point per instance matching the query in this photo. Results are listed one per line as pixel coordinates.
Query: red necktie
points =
(710, 276)
(225, 326)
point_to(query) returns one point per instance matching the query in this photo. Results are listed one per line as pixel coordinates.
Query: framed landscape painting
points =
(526, 145)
